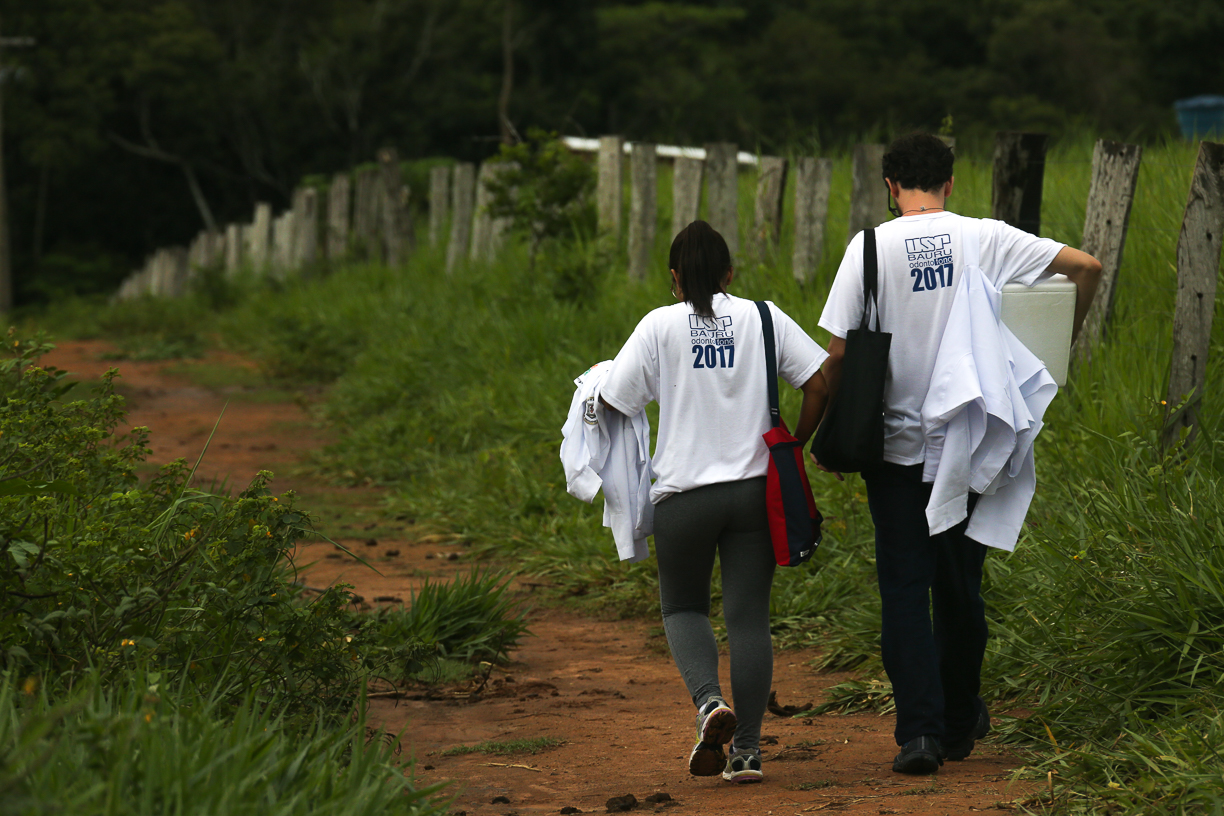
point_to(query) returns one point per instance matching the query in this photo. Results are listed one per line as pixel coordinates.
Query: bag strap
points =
(771, 361)
(871, 279)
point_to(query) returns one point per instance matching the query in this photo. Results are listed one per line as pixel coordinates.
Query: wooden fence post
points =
(396, 220)
(1115, 171)
(339, 207)
(609, 188)
(1019, 172)
(771, 185)
(366, 212)
(686, 192)
(439, 202)
(643, 208)
(463, 191)
(259, 237)
(813, 179)
(305, 227)
(233, 249)
(1198, 265)
(868, 194)
(722, 191)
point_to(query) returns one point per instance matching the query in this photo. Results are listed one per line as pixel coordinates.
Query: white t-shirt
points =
(708, 376)
(919, 255)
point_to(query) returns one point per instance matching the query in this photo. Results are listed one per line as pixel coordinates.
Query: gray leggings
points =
(688, 528)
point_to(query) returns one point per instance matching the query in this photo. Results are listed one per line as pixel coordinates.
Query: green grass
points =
(1108, 621)
(503, 747)
(132, 750)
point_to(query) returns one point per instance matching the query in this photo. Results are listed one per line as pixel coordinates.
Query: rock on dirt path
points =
(607, 690)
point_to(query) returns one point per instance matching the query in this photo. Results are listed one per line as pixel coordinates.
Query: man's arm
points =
(1085, 272)
(831, 376)
(815, 398)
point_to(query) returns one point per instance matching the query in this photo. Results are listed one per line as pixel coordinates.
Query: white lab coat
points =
(982, 413)
(603, 448)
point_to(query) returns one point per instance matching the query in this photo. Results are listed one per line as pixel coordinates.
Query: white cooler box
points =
(1041, 317)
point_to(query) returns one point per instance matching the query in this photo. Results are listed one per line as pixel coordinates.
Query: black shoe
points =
(961, 748)
(921, 755)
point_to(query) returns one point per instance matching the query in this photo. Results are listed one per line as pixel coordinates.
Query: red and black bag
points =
(794, 521)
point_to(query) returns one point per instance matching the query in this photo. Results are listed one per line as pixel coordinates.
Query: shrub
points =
(101, 573)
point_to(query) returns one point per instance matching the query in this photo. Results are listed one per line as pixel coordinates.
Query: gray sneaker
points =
(743, 766)
(715, 726)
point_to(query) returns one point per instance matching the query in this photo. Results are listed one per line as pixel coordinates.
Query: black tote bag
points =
(851, 437)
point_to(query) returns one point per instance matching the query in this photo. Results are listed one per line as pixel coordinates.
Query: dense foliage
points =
(157, 646)
(135, 123)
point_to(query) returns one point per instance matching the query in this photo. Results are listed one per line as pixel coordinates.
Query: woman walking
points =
(703, 361)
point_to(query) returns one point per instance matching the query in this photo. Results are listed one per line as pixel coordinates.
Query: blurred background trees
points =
(135, 123)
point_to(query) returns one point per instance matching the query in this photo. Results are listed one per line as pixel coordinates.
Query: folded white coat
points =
(982, 413)
(604, 448)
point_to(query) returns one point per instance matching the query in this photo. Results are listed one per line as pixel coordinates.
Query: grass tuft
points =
(533, 745)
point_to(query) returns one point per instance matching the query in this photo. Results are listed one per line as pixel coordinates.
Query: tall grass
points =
(136, 750)
(1108, 620)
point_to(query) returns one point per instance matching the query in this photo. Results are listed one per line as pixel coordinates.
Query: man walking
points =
(934, 662)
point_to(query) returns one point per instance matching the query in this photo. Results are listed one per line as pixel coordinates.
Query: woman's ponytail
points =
(700, 256)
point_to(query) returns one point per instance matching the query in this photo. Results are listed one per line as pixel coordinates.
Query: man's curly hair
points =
(918, 161)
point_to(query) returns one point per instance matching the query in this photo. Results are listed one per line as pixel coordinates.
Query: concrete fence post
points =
(482, 225)
(157, 274)
(282, 244)
(1198, 266)
(214, 250)
(233, 249)
(197, 256)
(813, 179)
(305, 227)
(463, 193)
(259, 238)
(149, 276)
(500, 226)
(439, 202)
(179, 271)
(767, 224)
(609, 188)
(1019, 173)
(686, 192)
(868, 194)
(643, 208)
(488, 232)
(339, 211)
(1115, 172)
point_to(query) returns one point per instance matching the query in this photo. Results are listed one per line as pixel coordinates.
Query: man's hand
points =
(819, 466)
(1085, 272)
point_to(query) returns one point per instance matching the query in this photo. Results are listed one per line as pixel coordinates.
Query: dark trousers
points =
(935, 669)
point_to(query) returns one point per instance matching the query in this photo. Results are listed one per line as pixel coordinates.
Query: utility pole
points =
(6, 247)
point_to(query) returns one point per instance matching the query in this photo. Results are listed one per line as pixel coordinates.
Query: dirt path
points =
(608, 689)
